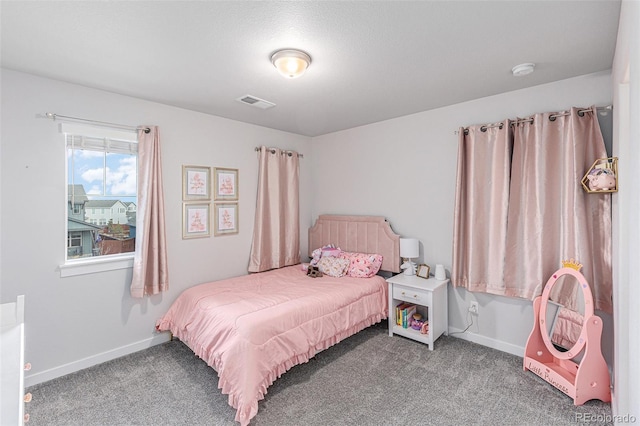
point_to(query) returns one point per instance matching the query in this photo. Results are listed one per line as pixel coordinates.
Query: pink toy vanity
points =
(588, 379)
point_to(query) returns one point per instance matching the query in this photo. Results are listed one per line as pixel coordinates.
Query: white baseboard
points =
(72, 367)
(488, 342)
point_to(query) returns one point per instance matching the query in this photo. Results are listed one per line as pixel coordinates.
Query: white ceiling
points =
(371, 60)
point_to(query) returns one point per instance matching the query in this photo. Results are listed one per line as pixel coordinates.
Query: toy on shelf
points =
(583, 381)
(416, 321)
(425, 328)
(602, 177)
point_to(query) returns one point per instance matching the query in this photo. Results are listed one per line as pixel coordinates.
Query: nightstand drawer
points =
(409, 294)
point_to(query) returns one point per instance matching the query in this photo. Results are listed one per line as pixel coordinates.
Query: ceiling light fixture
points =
(291, 63)
(523, 69)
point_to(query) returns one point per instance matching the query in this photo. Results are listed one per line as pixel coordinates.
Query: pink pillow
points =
(331, 252)
(362, 265)
(333, 266)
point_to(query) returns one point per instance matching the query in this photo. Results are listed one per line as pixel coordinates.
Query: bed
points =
(252, 329)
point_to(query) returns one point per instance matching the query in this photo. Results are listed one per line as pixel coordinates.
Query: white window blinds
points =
(101, 144)
(99, 138)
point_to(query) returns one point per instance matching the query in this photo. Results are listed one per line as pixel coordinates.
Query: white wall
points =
(405, 168)
(75, 322)
(626, 214)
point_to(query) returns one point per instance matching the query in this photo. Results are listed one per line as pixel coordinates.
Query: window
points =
(74, 244)
(102, 171)
(75, 239)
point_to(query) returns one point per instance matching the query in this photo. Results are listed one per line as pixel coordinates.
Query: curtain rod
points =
(530, 120)
(273, 151)
(54, 117)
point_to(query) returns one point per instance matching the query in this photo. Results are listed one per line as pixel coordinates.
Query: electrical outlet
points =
(473, 307)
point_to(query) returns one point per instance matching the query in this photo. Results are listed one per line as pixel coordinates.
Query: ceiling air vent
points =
(255, 102)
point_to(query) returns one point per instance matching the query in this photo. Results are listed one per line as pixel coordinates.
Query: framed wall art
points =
(225, 218)
(196, 183)
(196, 220)
(225, 184)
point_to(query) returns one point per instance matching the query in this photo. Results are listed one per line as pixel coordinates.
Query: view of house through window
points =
(101, 196)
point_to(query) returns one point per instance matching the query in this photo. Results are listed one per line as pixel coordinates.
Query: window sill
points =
(82, 267)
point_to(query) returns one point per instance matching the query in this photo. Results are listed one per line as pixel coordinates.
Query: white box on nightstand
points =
(429, 295)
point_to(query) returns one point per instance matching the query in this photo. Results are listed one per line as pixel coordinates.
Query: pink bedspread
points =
(252, 329)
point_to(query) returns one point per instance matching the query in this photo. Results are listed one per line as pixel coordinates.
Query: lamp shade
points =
(291, 63)
(409, 248)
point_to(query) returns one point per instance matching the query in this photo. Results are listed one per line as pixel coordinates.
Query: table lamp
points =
(409, 249)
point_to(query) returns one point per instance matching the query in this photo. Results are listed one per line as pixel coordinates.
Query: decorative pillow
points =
(331, 252)
(334, 266)
(362, 265)
(315, 257)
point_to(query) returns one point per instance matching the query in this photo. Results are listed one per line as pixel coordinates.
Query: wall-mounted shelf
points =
(602, 176)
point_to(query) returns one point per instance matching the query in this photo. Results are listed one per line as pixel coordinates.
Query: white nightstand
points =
(430, 297)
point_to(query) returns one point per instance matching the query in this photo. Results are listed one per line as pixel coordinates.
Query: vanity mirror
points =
(564, 313)
(553, 349)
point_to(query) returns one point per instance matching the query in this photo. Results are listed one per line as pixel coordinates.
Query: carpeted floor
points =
(368, 379)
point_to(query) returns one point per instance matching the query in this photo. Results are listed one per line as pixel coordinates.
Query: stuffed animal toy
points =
(313, 272)
(416, 321)
(425, 328)
(602, 180)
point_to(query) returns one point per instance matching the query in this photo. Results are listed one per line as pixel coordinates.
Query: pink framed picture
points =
(196, 183)
(225, 184)
(195, 220)
(225, 218)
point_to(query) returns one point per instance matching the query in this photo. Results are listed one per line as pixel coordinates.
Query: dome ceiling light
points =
(291, 63)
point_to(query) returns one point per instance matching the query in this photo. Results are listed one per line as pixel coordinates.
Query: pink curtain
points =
(549, 216)
(150, 271)
(276, 231)
(482, 200)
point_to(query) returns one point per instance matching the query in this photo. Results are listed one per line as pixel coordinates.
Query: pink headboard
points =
(362, 234)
